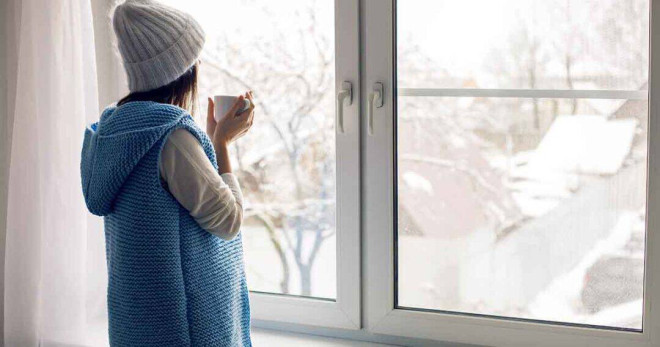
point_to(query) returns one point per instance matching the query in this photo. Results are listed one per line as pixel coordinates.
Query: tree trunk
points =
(305, 280)
(569, 81)
(274, 239)
(537, 116)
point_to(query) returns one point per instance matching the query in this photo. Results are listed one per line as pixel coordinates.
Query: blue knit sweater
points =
(170, 283)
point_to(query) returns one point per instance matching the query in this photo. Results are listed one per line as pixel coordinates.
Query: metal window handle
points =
(345, 92)
(375, 99)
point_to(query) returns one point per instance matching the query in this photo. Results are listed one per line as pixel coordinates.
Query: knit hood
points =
(114, 145)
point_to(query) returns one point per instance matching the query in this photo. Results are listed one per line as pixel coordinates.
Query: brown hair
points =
(182, 92)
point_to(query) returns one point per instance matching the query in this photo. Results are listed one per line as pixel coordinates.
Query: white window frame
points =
(364, 306)
(344, 311)
(381, 317)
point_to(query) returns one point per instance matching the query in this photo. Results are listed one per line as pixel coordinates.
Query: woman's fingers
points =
(210, 118)
(244, 119)
(238, 104)
(250, 97)
(210, 110)
(250, 116)
(245, 115)
(247, 96)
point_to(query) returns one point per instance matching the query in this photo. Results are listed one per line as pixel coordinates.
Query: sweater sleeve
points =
(214, 201)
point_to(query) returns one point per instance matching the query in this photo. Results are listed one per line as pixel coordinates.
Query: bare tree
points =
(294, 93)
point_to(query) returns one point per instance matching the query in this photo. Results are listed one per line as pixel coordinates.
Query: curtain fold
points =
(54, 272)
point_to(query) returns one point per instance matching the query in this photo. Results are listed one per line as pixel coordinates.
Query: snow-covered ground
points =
(561, 301)
(580, 194)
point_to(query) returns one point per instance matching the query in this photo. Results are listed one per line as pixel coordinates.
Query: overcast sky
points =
(458, 35)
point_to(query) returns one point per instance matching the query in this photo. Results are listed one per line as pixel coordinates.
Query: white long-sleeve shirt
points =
(215, 201)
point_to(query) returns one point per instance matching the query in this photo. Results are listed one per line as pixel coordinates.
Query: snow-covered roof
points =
(584, 144)
(574, 145)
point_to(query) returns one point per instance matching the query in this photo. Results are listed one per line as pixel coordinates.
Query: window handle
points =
(375, 99)
(346, 92)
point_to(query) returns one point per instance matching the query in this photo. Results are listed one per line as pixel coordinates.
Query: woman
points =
(172, 208)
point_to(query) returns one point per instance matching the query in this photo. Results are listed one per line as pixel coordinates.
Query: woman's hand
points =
(231, 126)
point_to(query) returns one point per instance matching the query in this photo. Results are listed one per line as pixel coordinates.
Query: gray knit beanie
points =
(157, 43)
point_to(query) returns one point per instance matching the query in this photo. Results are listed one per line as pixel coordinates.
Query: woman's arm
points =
(214, 201)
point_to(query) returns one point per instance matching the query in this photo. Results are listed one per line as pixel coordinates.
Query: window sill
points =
(267, 337)
(97, 335)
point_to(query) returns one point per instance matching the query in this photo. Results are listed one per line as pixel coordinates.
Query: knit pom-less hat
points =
(157, 43)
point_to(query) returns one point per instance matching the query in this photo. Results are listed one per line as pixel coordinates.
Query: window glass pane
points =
(545, 44)
(284, 52)
(514, 206)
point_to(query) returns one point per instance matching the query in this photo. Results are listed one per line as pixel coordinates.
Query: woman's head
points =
(181, 92)
(160, 48)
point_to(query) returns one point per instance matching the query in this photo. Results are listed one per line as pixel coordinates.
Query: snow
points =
(574, 145)
(416, 181)
(585, 144)
(605, 106)
(531, 206)
(560, 300)
(620, 314)
(456, 141)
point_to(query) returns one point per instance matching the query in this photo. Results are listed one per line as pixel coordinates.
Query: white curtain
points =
(54, 260)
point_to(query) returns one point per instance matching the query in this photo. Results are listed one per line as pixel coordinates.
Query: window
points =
(287, 58)
(514, 200)
(288, 164)
(507, 177)
(462, 166)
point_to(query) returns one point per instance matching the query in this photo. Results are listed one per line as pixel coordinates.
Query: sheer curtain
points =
(54, 260)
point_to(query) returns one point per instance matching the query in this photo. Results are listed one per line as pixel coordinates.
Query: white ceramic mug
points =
(223, 104)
